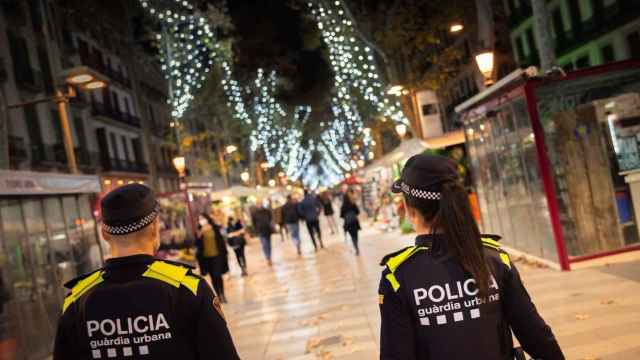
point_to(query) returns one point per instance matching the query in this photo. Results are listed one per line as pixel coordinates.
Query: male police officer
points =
(138, 307)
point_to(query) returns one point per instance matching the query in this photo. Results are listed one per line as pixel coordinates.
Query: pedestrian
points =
(310, 208)
(327, 206)
(236, 240)
(262, 219)
(143, 297)
(349, 213)
(455, 294)
(214, 258)
(278, 219)
(291, 217)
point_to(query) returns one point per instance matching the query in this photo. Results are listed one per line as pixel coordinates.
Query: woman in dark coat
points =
(349, 213)
(212, 253)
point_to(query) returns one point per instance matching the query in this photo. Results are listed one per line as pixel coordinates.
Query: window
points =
(137, 150)
(429, 109)
(125, 147)
(114, 147)
(21, 62)
(583, 62)
(115, 101)
(33, 124)
(633, 41)
(608, 54)
(558, 24)
(127, 106)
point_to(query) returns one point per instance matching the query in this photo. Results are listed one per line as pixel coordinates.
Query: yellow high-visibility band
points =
(394, 263)
(174, 275)
(81, 288)
(505, 259)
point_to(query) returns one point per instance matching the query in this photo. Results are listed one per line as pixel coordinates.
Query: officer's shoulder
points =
(494, 250)
(402, 256)
(73, 282)
(174, 273)
(386, 258)
(177, 263)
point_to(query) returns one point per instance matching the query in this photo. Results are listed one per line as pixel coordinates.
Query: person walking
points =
(262, 219)
(455, 294)
(278, 219)
(214, 258)
(327, 206)
(236, 240)
(291, 217)
(310, 208)
(349, 213)
(146, 297)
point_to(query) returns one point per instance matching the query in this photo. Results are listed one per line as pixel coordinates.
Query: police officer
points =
(139, 307)
(455, 294)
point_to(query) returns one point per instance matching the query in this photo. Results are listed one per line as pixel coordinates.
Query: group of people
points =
(455, 294)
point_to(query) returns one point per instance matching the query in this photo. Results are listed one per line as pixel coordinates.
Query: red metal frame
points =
(547, 176)
(576, 259)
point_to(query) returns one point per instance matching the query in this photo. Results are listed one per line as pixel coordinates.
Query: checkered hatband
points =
(419, 193)
(127, 229)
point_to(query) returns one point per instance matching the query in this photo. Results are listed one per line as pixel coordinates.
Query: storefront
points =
(555, 161)
(48, 236)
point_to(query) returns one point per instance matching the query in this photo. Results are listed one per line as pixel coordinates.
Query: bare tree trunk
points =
(544, 41)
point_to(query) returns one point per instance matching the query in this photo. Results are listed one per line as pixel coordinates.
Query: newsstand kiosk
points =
(556, 161)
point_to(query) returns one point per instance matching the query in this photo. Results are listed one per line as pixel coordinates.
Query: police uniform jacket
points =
(138, 307)
(431, 309)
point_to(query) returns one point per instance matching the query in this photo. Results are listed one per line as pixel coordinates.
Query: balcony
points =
(87, 159)
(111, 164)
(98, 109)
(610, 18)
(42, 154)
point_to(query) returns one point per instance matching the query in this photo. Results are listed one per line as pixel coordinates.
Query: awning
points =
(39, 183)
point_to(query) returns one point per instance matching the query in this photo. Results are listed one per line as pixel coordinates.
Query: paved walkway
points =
(324, 305)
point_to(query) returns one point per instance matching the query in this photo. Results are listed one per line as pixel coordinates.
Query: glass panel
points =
(590, 126)
(88, 224)
(58, 240)
(79, 245)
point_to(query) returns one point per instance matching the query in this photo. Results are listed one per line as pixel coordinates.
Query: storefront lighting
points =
(470, 132)
(485, 61)
(231, 148)
(245, 176)
(120, 182)
(610, 105)
(401, 129)
(456, 28)
(179, 163)
(107, 182)
(130, 182)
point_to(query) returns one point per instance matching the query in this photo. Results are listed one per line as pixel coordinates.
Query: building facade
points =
(586, 32)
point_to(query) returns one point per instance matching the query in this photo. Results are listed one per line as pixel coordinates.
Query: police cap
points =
(128, 209)
(423, 175)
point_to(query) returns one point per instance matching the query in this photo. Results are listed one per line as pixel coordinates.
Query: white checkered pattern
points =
(127, 229)
(420, 194)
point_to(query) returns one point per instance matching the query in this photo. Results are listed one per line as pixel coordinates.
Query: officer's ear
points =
(105, 235)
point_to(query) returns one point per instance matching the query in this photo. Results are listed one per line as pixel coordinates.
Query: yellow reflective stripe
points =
(191, 283)
(174, 275)
(81, 288)
(490, 242)
(394, 282)
(505, 259)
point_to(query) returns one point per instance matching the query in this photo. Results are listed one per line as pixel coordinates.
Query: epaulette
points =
(174, 274)
(491, 242)
(80, 285)
(386, 258)
(71, 283)
(397, 259)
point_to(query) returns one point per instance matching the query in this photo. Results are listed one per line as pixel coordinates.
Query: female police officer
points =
(455, 294)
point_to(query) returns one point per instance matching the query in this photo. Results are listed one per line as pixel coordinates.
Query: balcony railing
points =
(86, 158)
(111, 164)
(29, 79)
(98, 109)
(43, 154)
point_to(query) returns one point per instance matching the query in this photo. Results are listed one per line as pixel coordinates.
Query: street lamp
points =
(180, 164)
(401, 129)
(456, 28)
(485, 61)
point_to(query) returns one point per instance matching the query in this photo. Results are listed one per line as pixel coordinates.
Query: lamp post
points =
(85, 79)
(180, 163)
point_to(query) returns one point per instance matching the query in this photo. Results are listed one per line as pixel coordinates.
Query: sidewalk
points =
(324, 305)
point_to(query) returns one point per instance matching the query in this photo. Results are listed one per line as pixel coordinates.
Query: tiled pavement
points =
(324, 305)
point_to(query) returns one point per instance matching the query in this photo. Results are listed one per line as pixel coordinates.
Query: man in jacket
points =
(291, 218)
(310, 208)
(262, 219)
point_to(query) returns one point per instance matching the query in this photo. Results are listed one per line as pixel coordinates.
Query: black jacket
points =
(290, 213)
(430, 309)
(138, 307)
(262, 220)
(347, 208)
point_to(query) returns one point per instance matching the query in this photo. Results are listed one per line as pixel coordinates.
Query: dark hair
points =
(209, 219)
(453, 217)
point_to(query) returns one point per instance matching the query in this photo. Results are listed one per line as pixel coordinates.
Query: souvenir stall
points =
(556, 161)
